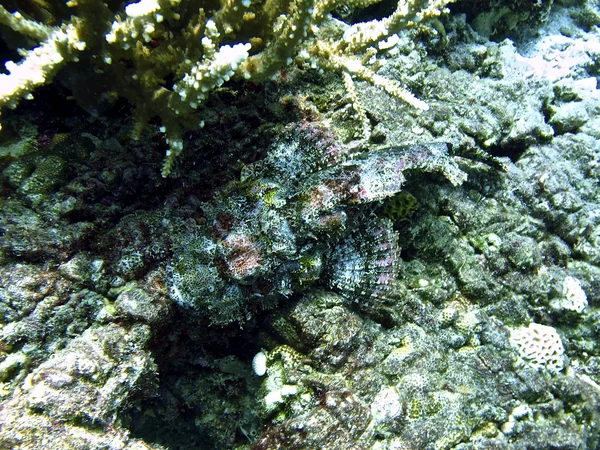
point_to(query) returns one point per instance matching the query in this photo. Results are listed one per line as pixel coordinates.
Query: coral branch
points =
(200, 46)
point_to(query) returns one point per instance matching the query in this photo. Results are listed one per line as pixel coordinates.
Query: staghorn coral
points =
(296, 219)
(167, 56)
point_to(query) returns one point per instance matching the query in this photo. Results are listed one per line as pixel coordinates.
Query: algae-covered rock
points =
(82, 386)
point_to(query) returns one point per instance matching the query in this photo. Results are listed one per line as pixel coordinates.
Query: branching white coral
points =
(40, 64)
(149, 41)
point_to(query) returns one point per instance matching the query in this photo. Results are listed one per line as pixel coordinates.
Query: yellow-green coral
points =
(199, 46)
(400, 207)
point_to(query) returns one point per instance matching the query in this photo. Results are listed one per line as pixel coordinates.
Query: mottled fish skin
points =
(296, 220)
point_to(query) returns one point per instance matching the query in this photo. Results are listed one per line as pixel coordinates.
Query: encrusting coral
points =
(167, 56)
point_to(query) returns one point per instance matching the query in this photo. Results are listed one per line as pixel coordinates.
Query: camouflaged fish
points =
(296, 220)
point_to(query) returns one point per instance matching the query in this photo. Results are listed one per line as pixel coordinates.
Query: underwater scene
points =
(300, 224)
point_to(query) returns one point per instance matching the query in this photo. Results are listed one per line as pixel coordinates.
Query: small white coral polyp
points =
(539, 345)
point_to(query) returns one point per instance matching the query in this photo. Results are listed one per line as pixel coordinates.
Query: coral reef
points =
(395, 388)
(296, 285)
